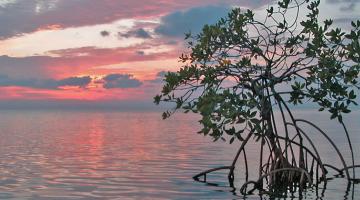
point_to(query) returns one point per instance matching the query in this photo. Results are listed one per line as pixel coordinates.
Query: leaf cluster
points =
(240, 68)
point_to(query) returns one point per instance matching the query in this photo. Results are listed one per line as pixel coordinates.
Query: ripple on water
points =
(110, 155)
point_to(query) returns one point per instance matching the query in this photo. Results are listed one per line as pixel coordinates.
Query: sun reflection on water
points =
(108, 155)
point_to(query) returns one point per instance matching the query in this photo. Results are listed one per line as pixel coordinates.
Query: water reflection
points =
(114, 155)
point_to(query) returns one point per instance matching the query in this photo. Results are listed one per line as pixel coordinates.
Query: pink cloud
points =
(71, 64)
(24, 17)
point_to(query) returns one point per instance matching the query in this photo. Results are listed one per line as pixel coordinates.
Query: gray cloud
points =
(24, 16)
(343, 1)
(139, 33)
(120, 81)
(178, 23)
(75, 61)
(159, 77)
(161, 74)
(75, 81)
(141, 53)
(172, 42)
(345, 5)
(350, 7)
(81, 82)
(104, 33)
(344, 23)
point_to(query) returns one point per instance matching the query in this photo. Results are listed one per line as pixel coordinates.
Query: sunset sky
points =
(106, 52)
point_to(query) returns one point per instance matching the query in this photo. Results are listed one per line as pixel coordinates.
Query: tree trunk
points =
(280, 161)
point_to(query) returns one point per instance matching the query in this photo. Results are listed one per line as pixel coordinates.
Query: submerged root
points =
(287, 178)
(284, 173)
(280, 176)
(292, 163)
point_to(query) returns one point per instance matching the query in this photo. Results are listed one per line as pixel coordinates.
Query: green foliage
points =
(241, 67)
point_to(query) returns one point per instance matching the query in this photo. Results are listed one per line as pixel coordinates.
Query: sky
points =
(106, 53)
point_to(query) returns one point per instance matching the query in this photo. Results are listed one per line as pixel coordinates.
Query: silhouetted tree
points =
(241, 69)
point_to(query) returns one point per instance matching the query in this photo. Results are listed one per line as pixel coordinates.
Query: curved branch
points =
(313, 146)
(196, 177)
(334, 168)
(350, 146)
(331, 142)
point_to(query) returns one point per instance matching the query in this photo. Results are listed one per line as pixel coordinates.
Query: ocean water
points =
(53, 154)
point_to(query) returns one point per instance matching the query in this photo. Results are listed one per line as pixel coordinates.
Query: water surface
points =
(128, 155)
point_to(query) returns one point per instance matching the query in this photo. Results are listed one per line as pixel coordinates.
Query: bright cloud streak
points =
(50, 40)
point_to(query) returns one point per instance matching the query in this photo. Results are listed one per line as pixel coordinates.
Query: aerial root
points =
(283, 168)
(294, 172)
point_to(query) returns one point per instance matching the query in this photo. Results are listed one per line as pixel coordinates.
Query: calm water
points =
(124, 155)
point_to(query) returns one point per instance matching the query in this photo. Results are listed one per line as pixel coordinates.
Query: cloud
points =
(346, 5)
(81, 82)
(104, 33)
(26, 16)
(111, 105)
(343, 1)
(344, 23)
(140, 53)
(68, 62)
(141, 33)
(120, 81)
(159, 77)
(172, 42)
(180, 22)
(162, 74)
(138, 33)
